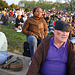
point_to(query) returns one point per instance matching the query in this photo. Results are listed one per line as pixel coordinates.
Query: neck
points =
(58, 43)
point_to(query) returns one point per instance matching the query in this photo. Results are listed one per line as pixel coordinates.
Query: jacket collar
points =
(37, 18)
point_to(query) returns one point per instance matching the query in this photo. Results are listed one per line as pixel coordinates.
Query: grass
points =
(15, 39)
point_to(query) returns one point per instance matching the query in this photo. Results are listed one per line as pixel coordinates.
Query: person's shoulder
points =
(46, 40)
(70, 43)
(2, 34)
(29, 19)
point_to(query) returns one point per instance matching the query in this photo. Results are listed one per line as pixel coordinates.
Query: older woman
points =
(3, 47)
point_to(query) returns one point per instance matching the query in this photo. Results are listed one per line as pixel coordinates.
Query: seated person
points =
(73, 33)
(19, 23)
(5, 18)
(3, 48)
(55, 55)
(49, 23)
(35, 29)
(25, 17)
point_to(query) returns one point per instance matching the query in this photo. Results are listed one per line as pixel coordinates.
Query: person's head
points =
(38, 12)
(63, 19)
(4, 13)
(25, 15)
(61, 31)
(19, 17)
(19, 9)
(34, 9)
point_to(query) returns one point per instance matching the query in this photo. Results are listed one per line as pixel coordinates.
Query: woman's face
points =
(38, 12)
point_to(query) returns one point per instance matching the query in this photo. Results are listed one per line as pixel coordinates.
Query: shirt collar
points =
(52, 41)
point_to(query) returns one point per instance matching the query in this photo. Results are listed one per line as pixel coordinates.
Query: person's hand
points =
(20, 23)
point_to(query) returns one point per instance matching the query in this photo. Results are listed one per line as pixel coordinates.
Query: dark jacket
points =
(18, 21)
(41, 53)
(5, 19)
(35, 27)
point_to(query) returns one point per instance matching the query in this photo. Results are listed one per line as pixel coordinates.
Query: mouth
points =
(63, 37)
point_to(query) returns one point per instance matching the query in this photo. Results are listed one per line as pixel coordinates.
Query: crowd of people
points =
(49, 55)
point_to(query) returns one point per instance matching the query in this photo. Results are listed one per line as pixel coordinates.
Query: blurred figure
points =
(35, 29)
(63, 19)
(11, 13)
(25, 17)
(3, 47)
(19, 21)
(5, 18)
(73, 33)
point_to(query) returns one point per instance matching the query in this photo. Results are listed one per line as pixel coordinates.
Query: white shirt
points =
(24, 19)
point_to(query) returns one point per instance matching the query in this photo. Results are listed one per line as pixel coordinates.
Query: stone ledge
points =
(22, 72)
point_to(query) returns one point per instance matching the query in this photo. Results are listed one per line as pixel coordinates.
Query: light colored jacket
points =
(3, 42)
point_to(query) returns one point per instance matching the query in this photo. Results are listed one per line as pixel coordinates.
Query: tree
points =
(3, 4)
(47, 4)
(71, 3)
(13, 6)
(32, 4)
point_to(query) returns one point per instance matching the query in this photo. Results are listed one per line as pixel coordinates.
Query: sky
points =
(16, 1)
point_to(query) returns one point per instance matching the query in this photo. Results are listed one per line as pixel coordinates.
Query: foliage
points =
(71, 3)
(13, 6)
(44, 4)
(3, 4)
(27, 10)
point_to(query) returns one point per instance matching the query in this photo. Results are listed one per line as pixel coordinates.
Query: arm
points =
(25, 29)
(71, 59)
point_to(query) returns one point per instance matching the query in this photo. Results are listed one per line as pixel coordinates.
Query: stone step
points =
(25, 60)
